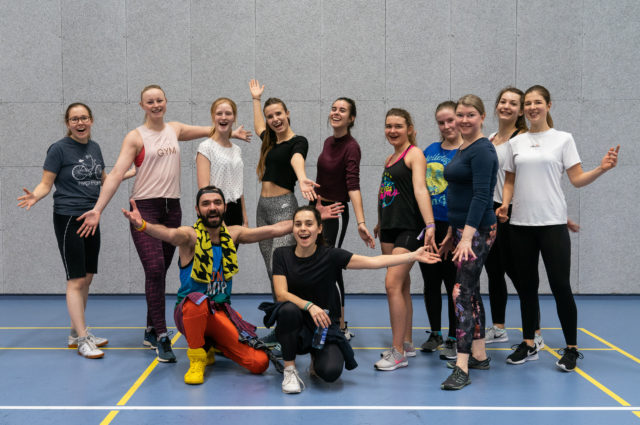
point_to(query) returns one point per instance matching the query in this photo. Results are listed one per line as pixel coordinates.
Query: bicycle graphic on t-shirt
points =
(87, 169)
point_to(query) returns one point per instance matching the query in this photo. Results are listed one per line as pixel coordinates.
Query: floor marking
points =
(123, 401)
(376, 407)
(600, 386)
(605, 342)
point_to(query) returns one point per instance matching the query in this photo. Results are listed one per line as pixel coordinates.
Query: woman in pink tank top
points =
(153, 148)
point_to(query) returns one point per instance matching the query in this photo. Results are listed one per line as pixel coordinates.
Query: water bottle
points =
(319, 336)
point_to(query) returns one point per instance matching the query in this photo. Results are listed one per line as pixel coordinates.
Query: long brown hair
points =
(542, 91)
(270, 138)
(403, 113)
(316, 214)
(521, 122)
(70, 107)
(219, 101)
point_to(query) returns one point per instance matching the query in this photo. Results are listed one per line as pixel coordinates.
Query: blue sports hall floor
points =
(43, 382)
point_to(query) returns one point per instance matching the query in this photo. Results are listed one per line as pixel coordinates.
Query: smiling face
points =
(154, 103)
(469, 121)
(79, 123)
(508, 108)
(223, 118)
(210, 209)
(340, 116)
(306, 229)
(446, 119)
(277, 118)
(396, 130)
(536, 109)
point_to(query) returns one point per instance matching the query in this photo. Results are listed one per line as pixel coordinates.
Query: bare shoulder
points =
(176, 126)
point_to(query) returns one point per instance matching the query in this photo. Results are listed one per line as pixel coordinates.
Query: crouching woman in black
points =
(305, 282)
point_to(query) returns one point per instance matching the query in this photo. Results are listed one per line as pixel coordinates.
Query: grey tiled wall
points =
(382, 53)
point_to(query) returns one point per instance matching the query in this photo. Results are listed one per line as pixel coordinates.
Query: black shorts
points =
(233, 213)
(79, 255)
(402, 238)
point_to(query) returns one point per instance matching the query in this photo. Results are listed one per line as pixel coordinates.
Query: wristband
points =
(307, 306)
(430, 225)
(361, 222)
(142, 227)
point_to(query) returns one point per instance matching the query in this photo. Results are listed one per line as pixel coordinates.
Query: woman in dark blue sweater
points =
(471, 175)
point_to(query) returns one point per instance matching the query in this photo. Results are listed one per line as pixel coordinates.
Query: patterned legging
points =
(466, 292)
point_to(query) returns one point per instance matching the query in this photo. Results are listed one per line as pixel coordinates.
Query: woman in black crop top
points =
(281, 164)
(404, 207)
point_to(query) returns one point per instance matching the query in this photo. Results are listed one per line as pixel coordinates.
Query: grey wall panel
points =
(611, 35)
(608, 235)
(158, 48)
(222, 48)
(94, 51)
(353, 46)
(2, 280)
(27, 145)
(31, 65)
(288, 42)
(368, 130)
(550, 46)
(109, 129)
(482, 54)
(418, 48)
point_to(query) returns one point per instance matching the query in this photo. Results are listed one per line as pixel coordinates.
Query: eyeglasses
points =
(83, 119)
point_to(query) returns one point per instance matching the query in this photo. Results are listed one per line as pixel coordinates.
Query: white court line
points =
(276, 408)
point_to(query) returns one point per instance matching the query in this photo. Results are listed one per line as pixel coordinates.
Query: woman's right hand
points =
(376, 231)
(446, 246)
(320, 318)
(256, 89)
(134, 215)
(501, 213)
(27, 200)
(366, 236)
(91, 220)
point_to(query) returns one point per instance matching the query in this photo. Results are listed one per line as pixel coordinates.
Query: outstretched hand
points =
(307, 187)
(610, 160)
(91, 220)
(330, 211)
(134, 215)
(256, 89)
(241, 134)
(425, 256)
(27, 200)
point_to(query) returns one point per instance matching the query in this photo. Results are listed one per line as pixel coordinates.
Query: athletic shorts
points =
(402, 238)
(79, 255)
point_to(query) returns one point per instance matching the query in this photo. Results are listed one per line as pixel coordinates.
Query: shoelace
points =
(291, 375)
(573, 352)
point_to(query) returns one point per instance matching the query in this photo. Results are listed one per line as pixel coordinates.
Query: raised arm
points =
(380, 261)
(579, 178)
(241, 234)
(256, 89)
(188, 132)
(43, 188)
(181, 236)
(306, 184)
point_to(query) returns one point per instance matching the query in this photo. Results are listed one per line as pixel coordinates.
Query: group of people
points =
(437, 207)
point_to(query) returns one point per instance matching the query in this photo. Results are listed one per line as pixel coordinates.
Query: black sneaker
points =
(449, 350)
(473, 363)
(164, 351)
(150, 338)
(432, 344)
(523, 353)
(456, 381)
(568, 361)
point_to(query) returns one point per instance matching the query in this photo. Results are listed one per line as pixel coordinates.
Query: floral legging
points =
(466, 292)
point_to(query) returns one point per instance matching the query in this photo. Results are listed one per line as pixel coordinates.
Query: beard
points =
(212, 222)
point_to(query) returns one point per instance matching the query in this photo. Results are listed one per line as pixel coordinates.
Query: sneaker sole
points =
(291, 392)
(564, 368)
(444, 357)
(410, 353)
(526, 359)
(148, 344)
(102, 344)
(442, 387)
(486, 367)
(491, 341)
(390, 368)
(164, 360)
(95, 356)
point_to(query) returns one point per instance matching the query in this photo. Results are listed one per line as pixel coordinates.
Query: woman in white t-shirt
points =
(219, 161)
(534, 169)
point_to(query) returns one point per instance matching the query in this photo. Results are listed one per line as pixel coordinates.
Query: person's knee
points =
(191, 309)
(328, 372)
(259, 362)
(289, 312)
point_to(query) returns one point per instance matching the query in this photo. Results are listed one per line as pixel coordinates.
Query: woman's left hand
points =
(330, 211)
(241, 134)
(307, 187)
(366, 236)
(320, 318)
(430, 239)
(610, 160)
(463, 251)
(425, 256)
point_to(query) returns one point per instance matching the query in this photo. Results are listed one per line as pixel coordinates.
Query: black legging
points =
(330, 229)
(433, 275)
(294, 331)
(553, 242)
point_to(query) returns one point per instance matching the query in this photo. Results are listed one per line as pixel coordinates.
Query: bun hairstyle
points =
(352, 111)
(146, 89)
(542, 91)
(403, 113)
(316, 214)
(447, 104)
(70, 107)
(521, 122)
(219, 101)
(270, 138)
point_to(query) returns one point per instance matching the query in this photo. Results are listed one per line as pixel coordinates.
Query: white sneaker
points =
(495, 334)
(409, 349)
(391, 360)
(72, 340)
(539, 341)
(87, 348)
(347, 333)
(291, 383)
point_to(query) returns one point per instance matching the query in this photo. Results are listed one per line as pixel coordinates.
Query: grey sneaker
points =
(270, 340)
(164, 351)
(409, 349)
(539, 341)
(87, 348)
(473, 363)
(391, 360)
(449, 351)
(72, 340)
(496, 334)
(347, 333)
(456, 381)
(433, 343)
(291, 382)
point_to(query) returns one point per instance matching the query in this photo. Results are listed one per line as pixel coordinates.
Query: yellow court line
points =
(621, 351)
(600, 386)
(123, 401)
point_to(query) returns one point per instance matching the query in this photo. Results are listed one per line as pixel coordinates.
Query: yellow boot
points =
(211, 356)
(198, 359)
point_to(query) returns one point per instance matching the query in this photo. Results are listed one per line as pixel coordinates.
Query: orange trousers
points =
(200, 323)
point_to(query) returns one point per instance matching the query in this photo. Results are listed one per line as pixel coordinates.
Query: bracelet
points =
(430, 225)
(255, 98)
(361, 222)
(308, 306)
(142, 227)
